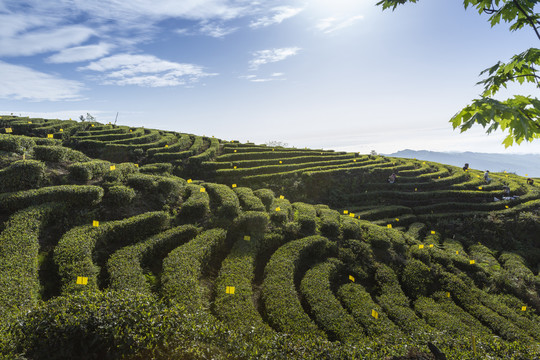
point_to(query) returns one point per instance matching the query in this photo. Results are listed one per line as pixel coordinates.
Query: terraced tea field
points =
(119, 241)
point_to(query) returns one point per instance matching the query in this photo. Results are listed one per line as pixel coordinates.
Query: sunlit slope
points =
(385, 265)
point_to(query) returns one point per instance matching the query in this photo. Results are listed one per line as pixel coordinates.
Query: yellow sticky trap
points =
(421, 246)
(82, 280)
(61, 130)
(439, 177)
(448, 294)
(189, 181)
(166, 145)
(424, 163)
(29, 122)
(506, 206)
(278, 209)
(92, 125)
(351, 214)
(273, 149)
(479, 188)
(506, 175)
(234, 150)
(477, 176)
(113, 167)
(9, 130)
(523, 308)
(130, 130)
(351, 278)
(526, 174)
(432, 232)
(281, 197)
(505, 171)
(229, 290)
(50, 136)
(466, 170)
(281, 162)
(471, 262)
(389, 226)
(415, 189)
(136, 165)
(95, 223)
(375, 314)
(247, 237)
(234, 167)
(345, 212)
(457, 252)
(202, 189)
(430, 245)
(354, 160)
(233, 186)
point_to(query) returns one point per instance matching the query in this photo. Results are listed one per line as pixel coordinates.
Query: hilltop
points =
(118, 241)
(521, 164)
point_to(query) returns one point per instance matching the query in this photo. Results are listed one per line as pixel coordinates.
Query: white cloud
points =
(273, 77)
(280, 13)
(262, 57)
(145, 70)
(215, 30)
(331, 24)
(81, 53)
(20, 82)
(37, 42)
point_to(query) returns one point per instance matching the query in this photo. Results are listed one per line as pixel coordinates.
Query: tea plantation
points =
(120, 242)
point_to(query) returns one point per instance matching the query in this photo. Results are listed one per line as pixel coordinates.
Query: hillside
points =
(122, 242)
(520, 164)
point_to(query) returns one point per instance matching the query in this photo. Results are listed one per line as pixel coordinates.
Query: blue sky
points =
(333, 74)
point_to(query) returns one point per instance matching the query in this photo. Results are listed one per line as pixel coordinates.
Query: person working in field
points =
(486, 177)
(392, 178)
(530, 181)
(466, 167)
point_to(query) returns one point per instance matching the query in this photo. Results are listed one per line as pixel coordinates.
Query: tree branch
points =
(531, 20)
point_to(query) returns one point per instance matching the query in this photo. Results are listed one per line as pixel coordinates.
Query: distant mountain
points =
(524, 165)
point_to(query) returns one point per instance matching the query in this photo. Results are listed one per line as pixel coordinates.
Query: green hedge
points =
(84, 171)
(244, 154)
(182, 269)
(120, 195)
(436, 316)
(58, 153)
(197, 205)
(360, 304)
(238, 270)
(19, 247)
(396, 305)
(306, 216)
(316, 286)
(223, 200)
(207, 154)
(284, 214)
(16, 143)
(148, 137)
(22, 175)
(182, 144)
(75, 255)
(467, 296)
(266, 196)
(248, 200)
(126, 266)
(282, 306)
(157, 168)
(328, 222)
(76, 195)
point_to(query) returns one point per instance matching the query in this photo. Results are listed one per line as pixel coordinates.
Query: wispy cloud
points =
(272, 77)
(145, 70)
(262, 57)
(81, 53)
(280, 13)
(331, 24)
(22, 83)
(36, 42)
(216, 30)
